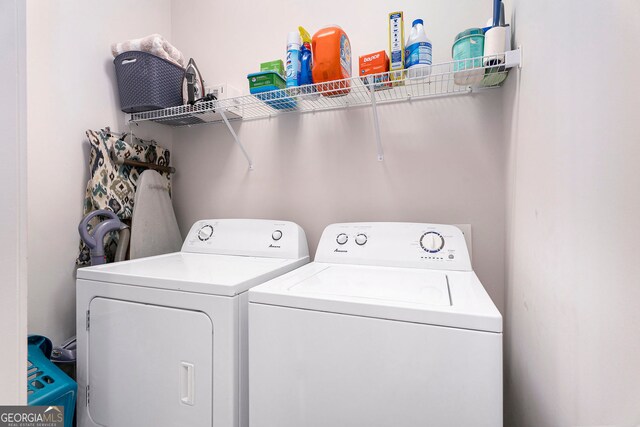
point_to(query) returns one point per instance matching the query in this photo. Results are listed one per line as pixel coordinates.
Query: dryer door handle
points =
(187, 383)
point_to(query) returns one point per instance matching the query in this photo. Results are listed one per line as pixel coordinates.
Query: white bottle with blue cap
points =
(418, 52)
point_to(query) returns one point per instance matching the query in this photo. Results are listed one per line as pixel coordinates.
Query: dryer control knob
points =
(205, 233)
(276, 235)
(361, 239)
(342, 238)
(431, 242)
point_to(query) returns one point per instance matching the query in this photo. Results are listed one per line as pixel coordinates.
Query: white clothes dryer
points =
(162, 341)
(389, 326)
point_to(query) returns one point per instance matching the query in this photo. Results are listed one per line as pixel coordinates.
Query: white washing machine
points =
(162, 341)
(389, 326)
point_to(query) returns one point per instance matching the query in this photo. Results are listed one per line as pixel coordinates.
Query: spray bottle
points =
(292, 65)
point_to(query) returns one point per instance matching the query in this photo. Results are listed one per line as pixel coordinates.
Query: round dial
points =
(276, 235)
(361, 239)
(205, 233)
(432, 242)
(342, 238)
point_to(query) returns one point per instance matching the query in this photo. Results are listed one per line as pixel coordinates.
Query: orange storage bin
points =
(331, 61)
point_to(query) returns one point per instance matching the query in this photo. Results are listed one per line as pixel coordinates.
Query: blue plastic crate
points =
(47, 385)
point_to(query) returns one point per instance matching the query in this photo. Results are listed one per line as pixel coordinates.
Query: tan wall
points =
(444, 159)
(13, 224)
(70, 88)
(572, 335)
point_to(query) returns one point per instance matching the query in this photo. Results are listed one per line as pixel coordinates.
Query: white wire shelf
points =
(444, 79)
(451, 78)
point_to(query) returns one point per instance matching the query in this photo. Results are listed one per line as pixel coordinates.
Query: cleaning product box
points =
(265, 84)
(375, 63)
(396, 45)
(277, 66)
(265, 81)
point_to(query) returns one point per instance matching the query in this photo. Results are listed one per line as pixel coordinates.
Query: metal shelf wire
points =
(442, 80)
(449, 78)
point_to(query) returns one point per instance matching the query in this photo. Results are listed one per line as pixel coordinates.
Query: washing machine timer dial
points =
(432, 242)
(342, 238)
(205, 233)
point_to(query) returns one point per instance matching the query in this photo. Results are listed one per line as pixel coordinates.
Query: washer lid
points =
(444, 298)
(226, 275)
(409, 286)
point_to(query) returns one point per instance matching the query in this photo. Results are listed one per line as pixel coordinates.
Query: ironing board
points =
(154, 228)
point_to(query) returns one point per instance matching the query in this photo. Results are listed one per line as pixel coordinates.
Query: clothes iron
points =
(192, 84)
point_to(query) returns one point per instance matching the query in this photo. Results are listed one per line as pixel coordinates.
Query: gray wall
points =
(573, 284)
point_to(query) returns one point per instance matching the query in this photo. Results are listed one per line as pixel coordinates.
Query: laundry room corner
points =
(318, 214)
(76, 94)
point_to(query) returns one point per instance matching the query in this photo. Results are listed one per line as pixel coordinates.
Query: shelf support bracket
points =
(513, 58)
(376, 124)
(236, 139)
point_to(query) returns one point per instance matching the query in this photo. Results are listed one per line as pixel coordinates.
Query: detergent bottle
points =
(306, 66)
(417, 56)
(331, 61)
(306, 77)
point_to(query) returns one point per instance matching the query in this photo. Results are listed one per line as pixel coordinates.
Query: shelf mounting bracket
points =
(376, 124)
(513, 58)
(236, 139)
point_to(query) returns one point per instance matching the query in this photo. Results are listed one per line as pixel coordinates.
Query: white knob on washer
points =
(276, 235)
(205, 233)
(361, 239)
(342, 238)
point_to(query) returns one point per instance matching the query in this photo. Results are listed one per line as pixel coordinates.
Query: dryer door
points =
(149, 365)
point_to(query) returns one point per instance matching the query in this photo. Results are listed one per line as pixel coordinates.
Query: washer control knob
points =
(342, 238)
(205, 233)
(361, 239)
(431, 242)
(276, 235)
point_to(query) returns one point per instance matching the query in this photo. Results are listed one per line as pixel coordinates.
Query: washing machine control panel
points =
(247, 237)
(433, 246)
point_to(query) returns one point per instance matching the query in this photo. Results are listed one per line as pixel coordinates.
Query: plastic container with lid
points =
(467, 52)
(331, 60)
